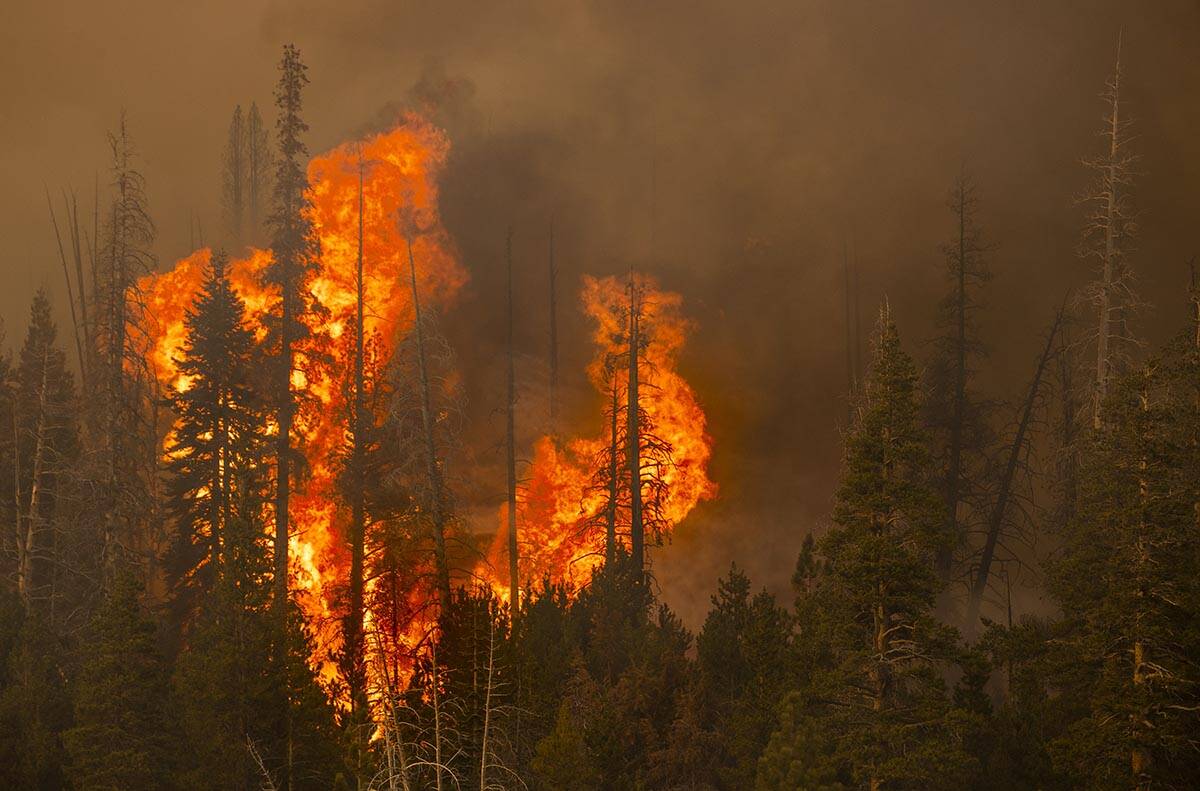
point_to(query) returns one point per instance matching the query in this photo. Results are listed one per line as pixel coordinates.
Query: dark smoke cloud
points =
(731, 148)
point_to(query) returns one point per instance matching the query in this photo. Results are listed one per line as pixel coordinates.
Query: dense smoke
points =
(732, 149)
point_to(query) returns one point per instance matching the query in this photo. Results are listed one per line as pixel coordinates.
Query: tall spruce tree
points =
(293, 248)
(1126, 582)
(217, 455)
(122, 736)
(880, 692)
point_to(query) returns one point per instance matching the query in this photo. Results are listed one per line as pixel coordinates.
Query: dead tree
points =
(1000, 507)
(1109, 226)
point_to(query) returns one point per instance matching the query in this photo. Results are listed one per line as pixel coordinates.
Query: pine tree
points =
(293, 248)
(957, 418)
(881, 692)
(258, 173)
(1126, 581)
(46, 447)
(744, 665)
(122, 737)
(217, 464)
(234, 178)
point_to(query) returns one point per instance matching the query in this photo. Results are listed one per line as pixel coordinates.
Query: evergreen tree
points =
(882, 693)
(46, 450)
(35, 703)
(744, 663)
(956, 417)
(258, 173)
(234, 177)
(293, 248)
(1126, 581)
(217, 454)
(122, 737)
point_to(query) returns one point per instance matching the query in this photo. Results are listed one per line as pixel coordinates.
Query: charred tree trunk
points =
(637, 536)
(432, 468)
(614, 453)
(514, 583)
(996, 520)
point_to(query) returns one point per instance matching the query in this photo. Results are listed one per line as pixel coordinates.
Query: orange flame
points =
(559, 513)
(399, 170)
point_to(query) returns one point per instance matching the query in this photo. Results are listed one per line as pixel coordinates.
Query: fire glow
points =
(558, 506)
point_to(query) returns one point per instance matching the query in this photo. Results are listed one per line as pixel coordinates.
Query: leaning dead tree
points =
(1109, 227)
(1000, 508)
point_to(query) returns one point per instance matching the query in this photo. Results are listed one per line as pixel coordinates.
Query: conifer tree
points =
(217, 456)
(957, 418)
(881, 691)
(46, 448)
(293, 248)
(1127, 584)
(122, 736)
(744, 664)
(125, 254)
(258, 173)
(234, 177)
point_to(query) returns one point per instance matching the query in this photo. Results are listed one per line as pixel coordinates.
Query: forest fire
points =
(561, 505)
(399, 171)
(561, 514)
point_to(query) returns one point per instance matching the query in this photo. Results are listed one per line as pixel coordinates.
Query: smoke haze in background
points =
(731, 149)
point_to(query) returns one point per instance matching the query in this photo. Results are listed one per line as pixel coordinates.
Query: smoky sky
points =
(734, 150)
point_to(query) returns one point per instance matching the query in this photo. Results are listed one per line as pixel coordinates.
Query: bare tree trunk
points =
(1139, 758)
(996, 520)
(514, 583)
(614, 452)
(637, 537)
(433, 471)
(1103, 354)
